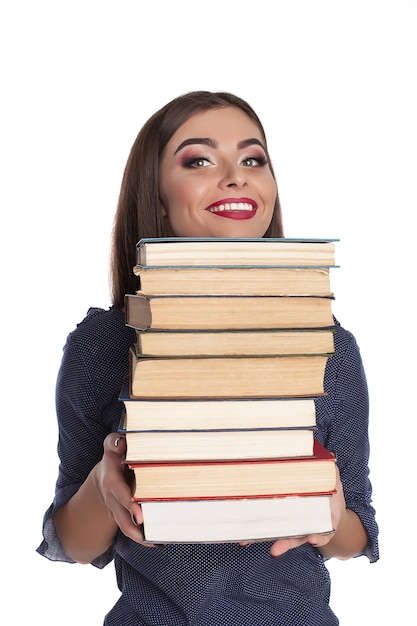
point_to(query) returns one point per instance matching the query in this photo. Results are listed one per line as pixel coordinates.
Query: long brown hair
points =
(139, 207)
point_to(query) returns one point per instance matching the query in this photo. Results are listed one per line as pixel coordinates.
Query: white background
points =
(334, 84)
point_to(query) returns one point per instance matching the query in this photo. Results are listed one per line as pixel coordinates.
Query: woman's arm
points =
(86, 525)
(349, 540)
(343, 421)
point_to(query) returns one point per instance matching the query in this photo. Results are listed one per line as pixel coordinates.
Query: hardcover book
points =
(236, 479)
(238, 281)
(216, 444)
(173, 251)
(214, 413)
(222, 377)
(227, 312)
(235, 519)
(233, 343)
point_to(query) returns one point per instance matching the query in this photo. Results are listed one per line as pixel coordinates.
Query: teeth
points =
(232, 206)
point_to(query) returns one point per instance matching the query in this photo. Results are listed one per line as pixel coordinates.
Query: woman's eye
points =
(197, 162)
(254, 161)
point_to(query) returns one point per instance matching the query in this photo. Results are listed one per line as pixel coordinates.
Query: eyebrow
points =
(206, 141)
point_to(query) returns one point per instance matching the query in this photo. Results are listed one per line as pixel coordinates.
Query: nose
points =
(233, 175)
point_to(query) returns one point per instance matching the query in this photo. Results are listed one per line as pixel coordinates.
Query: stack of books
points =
(232, 340)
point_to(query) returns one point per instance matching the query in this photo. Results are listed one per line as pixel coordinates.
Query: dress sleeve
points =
(87, 410)
(343, 420)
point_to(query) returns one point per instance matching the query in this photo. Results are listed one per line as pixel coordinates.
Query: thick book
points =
(234, 342)
(212, 413)
(227, 312)
(208, 251)
(235, 479)
(189, 521)
(222, 377)
(239, 281)
(217, 445)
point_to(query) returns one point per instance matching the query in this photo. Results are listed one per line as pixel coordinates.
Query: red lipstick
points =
(234, 208)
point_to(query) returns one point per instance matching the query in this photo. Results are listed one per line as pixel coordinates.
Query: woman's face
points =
(215, 180)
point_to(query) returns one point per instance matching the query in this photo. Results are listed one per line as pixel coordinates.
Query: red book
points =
(236, 479)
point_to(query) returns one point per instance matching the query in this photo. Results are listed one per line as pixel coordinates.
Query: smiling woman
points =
(216, 166)
(199, 167)
(141, 209)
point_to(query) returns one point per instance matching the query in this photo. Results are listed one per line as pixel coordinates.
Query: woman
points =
(198, 168)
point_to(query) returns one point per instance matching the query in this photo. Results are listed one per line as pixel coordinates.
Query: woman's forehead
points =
(226, 123)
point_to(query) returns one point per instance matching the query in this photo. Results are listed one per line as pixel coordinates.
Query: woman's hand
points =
(87, 524)
(112, 482)
(338, 511)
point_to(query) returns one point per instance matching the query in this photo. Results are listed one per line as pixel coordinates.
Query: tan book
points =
(233, 479)
(227, 312)
(215, 445)
(235, 281)
(214, 413)
(262, 251)
(229, 343)
(221, 377)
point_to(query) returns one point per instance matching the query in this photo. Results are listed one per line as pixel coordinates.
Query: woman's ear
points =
(166, 226)
(163, 210)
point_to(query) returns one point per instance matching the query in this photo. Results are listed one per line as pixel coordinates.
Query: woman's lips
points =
(236, 210)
